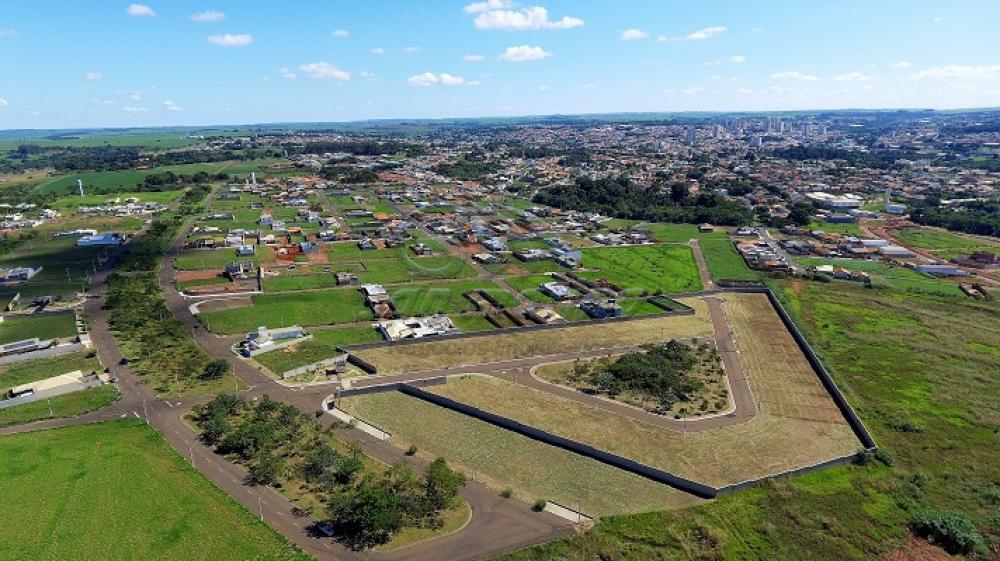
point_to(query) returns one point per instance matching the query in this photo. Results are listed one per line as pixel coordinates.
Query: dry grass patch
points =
(524, 344)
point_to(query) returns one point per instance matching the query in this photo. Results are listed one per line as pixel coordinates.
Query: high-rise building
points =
(690, 137)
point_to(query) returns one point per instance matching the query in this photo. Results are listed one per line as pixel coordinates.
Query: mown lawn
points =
(327, 307)
(666, 232)
(43, 326)
(445, 298)
(921, 372)
(407, 269)
(199, 259)
(724, 262)
(116, 491)
(666, 268)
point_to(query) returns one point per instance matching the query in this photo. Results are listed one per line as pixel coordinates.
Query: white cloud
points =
(525, 19)
(377, 51)
(478, 7)
(103, 101)
(171, 106)
(412, 50)
(92, 76)
(524, 53)
(324, 71)
(228, 40)
(131, 109)
(737, 59)
(473, 58)
(853, 77)
(962, 71)
(901, 64)
(3, 102)
(208, 16)
(367, 76)
(744, 91)
(693, 90)
(543, 88)
(706, 33)
(428, 79)
(139, 11)
(794, 75)
(134, 96)
(286, 74)
(709, 63)
(8, 32)
(633, 34)
(341, 33)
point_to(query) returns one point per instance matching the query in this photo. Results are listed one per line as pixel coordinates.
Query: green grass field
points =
(724, 262)
(328, 307)
(528, 286)
(650, 268)
(847, 229)
(68, 405)
(322, 346)
(71, 203)
(917, 369)
(120, 180)
(882, 275)
(408, 269)
(470, 324)
(666, 232)
(43, 326)
(200, 259)
(446, 298)
(116, 491)
(945, 244)
(30, 370)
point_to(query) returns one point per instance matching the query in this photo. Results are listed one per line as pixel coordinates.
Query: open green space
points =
(469, 324)
(882, 275)
(945, 244)
(18, 373)
(118, 180)
(502, 459)
(406, 269)
(71, 203)
(67, 405)
(322, 346)
(667, 232)
(44, 326)
(116, 491)
(724, 262)
(528, 286)
(326, 307)
(848, 229)
(905, 363)
(664, 268)
(200, 259)
(445, 298)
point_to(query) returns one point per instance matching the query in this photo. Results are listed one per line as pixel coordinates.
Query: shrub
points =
(539, 505)
(412, 450)
(906, 425)
(507, 493)
(869, 456)
(952, 531)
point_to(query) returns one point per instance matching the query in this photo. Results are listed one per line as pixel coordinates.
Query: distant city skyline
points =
(155, 63)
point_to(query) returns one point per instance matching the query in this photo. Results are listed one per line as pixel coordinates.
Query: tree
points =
(366, 515)
(678, 192)
(441, 485)
(266, 469)
(215, 369)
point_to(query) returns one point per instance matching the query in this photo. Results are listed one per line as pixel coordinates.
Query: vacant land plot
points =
(664, 268)
(724, 262)
(43, 326)
(70, 204)
(406, 269)
(200, 259)
(522, 344)
(445, 298)
(322, 346)
(469, 324)
(115, 491)
(60, 259)
(30, 370)
(67, 405)
(894, 277)
(502, 459)
(327, 307)
(528, 286)
(665, 232)
(945, 244)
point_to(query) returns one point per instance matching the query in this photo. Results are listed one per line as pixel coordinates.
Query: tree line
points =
(978, 217)
(364, 505)
(620, 198)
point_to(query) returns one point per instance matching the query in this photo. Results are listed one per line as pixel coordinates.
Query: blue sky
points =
(166, 62)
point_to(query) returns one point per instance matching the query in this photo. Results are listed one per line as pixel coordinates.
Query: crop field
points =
(90, 487)
(43, 326)
(644, 269)
(445, 298)
(520, 344)
(327, 307)
(322, 346)
(18, 373)
(724, 262)
(502, 459)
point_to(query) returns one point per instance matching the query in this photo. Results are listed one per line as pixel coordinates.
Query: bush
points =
(507, 493)
(869, 456)
(412, 450)
(539, 505)
(215, 369)
(906, 425)
(952, 531)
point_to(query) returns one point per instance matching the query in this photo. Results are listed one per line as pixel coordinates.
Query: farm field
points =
(67, 405)
(913, 367)
(502, 459)
(43, 326)
(515, 344)
(26, 371)
(649, 269)
(67, 476)
(326, 307)
(799, 424)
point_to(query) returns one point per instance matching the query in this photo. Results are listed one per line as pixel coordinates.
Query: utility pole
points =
(49, 401)
(191, 452)
(260, 509)
(144, 413)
